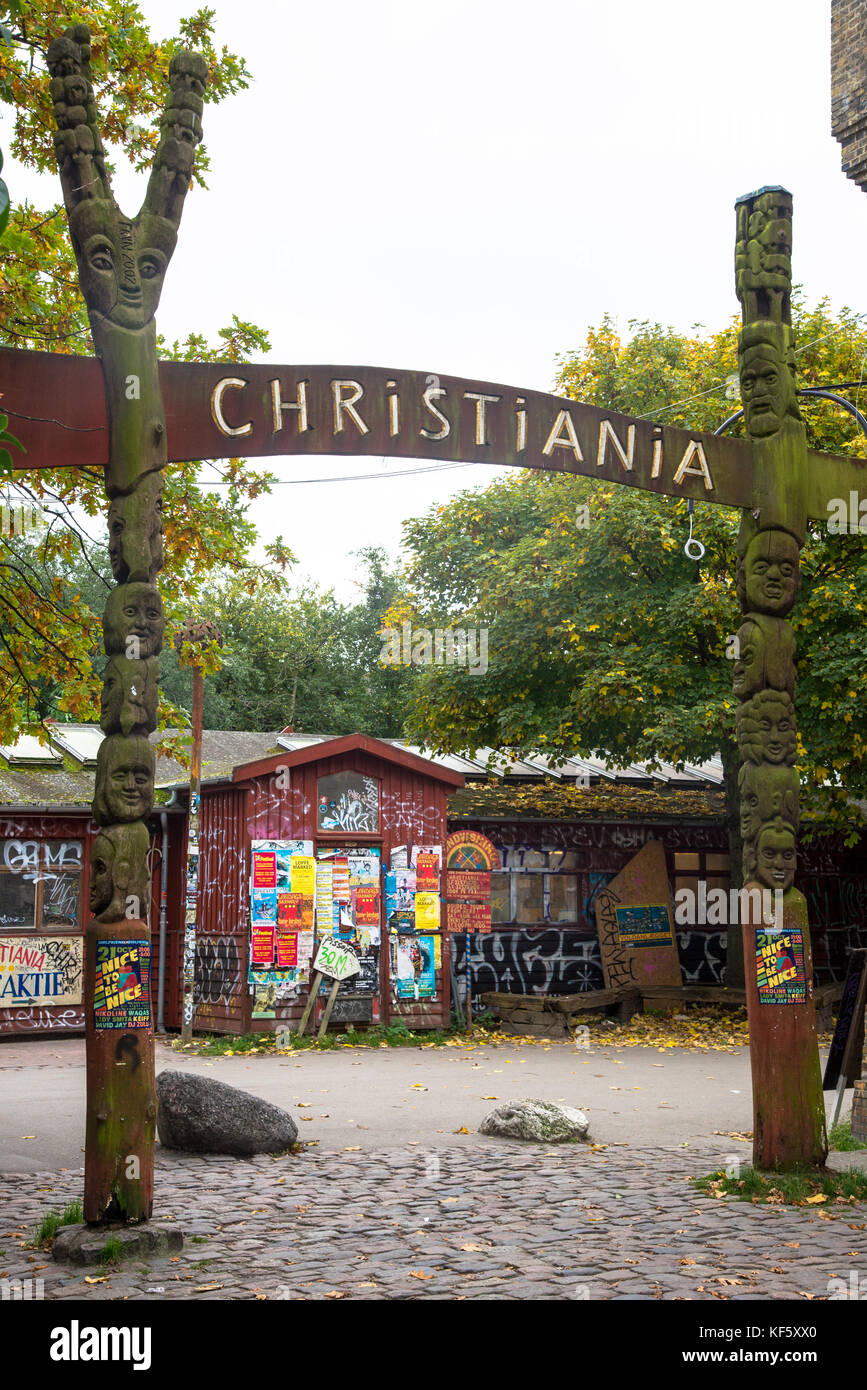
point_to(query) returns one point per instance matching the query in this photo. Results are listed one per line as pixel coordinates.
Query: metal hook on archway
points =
(693, 547)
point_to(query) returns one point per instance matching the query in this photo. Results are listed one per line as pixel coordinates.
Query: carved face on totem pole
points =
(776, 856)
(769, 575)
(121, 264)
(122, 261)
(130, 692)
(124, 780)
(119, 872)
(765, 793)
(135, 532)
(766, 657)
(134, 623)
(766, 729)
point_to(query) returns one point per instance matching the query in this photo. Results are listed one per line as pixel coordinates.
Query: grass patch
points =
(198, 1240)
(395, 1034)
(111, 1252)
(840, 1138)
(799, 1188)
(44, 1233)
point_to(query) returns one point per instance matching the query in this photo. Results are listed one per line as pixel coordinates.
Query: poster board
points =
(40, 969)
(636, 925)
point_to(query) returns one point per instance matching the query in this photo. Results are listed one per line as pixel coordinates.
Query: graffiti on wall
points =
(41, 1020)
(554, 961)
(218, 970)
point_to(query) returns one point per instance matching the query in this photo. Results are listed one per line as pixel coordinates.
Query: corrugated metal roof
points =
(25, 780)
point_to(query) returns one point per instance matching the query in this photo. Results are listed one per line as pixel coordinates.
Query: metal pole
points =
(192, 855)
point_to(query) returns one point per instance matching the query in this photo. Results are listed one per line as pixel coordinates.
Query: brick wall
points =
(849, 85)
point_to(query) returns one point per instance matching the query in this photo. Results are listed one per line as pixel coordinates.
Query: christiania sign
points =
(222, 410)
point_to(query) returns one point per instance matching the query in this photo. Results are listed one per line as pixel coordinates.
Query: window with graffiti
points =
(348, 801)
(40, 884)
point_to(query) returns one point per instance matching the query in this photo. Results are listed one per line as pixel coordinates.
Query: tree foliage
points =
(295, 657)
(607, 637)
(49, 626)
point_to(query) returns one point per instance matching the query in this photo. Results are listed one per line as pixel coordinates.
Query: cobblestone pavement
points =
(489, 1222)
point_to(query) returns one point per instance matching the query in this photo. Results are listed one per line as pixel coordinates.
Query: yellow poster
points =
(427, 911)
(303, 874)
(438, 952)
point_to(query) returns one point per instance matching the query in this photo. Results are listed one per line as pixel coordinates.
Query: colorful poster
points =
(263, 907)
(424, 849)
(427, 911)
(400, 891)
(647, 925)
(340, 879)
(289, 911)
(468, 917)
(467, 885)
(399, 858)
(303, 874)
(264, 995)
(324, 898)
(780, 967)
(264, 869)
(287, 950)
(413, 967)
(41, 970)
(427, 868)
(262, 945)
(121, 996)
(363, 868)
(402, 923)
(366, 905)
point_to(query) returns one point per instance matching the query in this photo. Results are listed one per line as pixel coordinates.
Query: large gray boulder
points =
(205, 1116)
(538, 1120)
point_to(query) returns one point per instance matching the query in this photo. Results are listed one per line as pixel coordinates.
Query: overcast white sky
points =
(464, 187)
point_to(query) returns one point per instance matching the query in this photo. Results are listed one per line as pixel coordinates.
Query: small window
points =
(529, 902)
(717, 862)
(562, 899)
(348, 801)
(40, 884)
(501, 897)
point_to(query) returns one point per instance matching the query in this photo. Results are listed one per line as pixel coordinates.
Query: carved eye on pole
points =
(149, 267)
(101, 257)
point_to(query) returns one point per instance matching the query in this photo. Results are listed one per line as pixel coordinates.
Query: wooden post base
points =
(788, 1101)
(121, 1088)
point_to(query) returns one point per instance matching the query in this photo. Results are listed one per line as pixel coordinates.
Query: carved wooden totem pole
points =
(121, 265)
(789, 1111)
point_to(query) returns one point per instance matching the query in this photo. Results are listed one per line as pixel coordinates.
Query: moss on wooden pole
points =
(121, 266)
(788, 1101)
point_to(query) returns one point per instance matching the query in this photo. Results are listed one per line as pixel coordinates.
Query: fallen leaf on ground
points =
(818, 1197)
(472, 1246)
(417, 1274)
(793, 1244)
(353, 1149)
(490, 1097)
(96, 1279)
(463, 1130)
(207, 1288)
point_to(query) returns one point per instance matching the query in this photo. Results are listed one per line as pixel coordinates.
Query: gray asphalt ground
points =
(376, 1098)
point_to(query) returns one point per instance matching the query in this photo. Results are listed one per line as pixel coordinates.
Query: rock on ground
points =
(204, 1116)
(539, 1120)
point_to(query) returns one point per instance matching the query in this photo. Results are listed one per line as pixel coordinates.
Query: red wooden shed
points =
(277, 798)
